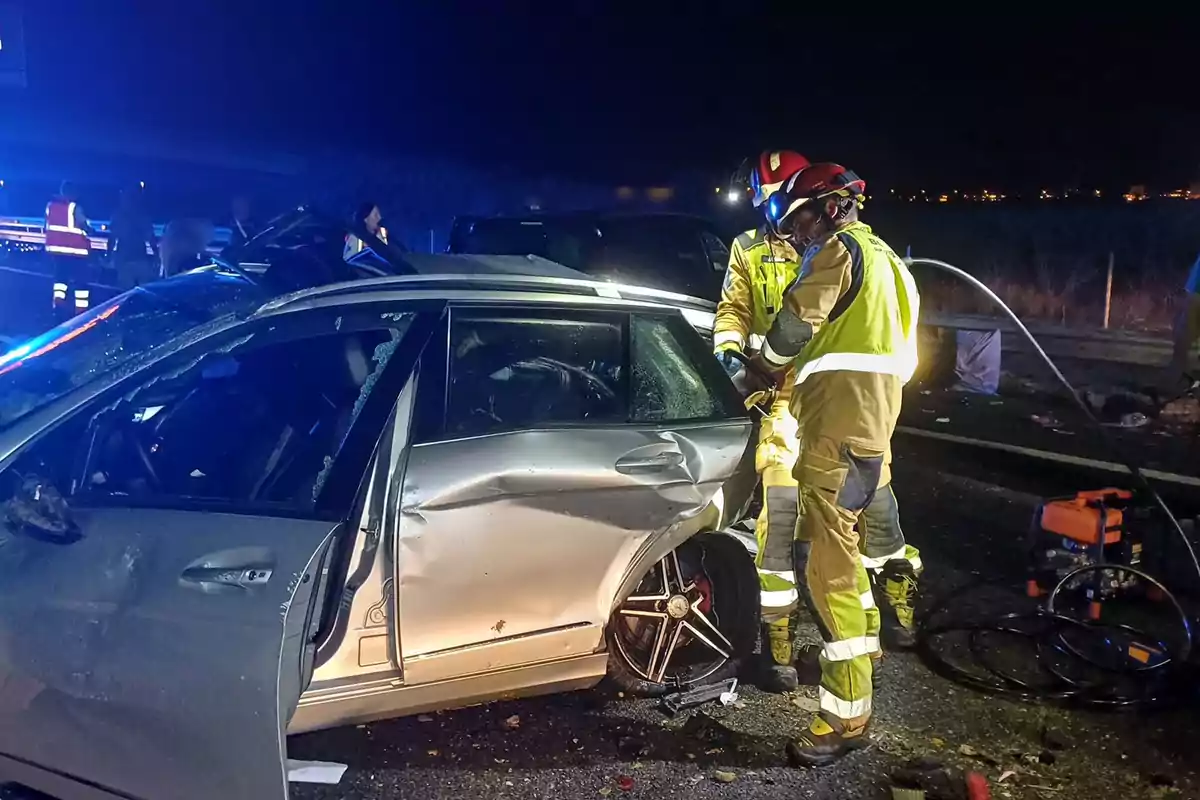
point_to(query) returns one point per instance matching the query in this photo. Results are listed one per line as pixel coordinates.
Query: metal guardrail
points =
(30, 230)
(1092, 344)
(1120, 347)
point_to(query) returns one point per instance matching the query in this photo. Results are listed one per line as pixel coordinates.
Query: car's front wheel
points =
(691, 621)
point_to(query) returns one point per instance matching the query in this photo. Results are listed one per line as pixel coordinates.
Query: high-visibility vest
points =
(355, 245)
(63, 236)
(766, 267)
(874, 327)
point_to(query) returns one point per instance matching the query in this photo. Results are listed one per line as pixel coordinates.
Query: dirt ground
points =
(969, 526)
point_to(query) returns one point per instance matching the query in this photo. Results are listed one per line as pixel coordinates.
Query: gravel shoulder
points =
(969, 527)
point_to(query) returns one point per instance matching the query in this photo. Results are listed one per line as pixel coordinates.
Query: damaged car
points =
(226, 519)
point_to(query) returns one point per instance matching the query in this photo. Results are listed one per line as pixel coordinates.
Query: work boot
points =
(778, 674)
(824, 743)
(808, 664)
(899, 582)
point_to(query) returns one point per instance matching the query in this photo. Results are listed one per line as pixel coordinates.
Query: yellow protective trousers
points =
(775, 531)
(846, 420)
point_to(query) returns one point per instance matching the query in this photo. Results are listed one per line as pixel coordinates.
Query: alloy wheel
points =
(668, 629)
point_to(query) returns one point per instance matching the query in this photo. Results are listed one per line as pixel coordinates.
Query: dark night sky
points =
(620, 91)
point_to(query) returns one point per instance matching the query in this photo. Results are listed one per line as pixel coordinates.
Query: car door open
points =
(162, 565)
(567, 440)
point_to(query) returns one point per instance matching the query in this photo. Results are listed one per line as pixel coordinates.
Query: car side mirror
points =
(37, 509)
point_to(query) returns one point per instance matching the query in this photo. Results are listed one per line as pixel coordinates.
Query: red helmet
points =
(813, 183)
(773, 169)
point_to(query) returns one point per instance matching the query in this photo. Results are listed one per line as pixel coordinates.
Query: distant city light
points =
(142, 184)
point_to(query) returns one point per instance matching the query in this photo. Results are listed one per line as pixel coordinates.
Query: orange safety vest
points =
(62, 235)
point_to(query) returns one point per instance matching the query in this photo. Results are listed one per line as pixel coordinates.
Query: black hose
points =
(1157, 683)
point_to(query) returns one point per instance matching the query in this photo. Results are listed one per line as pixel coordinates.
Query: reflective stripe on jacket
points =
(63, 236)
(760, 269)
(855, 304)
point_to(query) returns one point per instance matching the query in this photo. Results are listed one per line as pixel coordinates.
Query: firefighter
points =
(761, 266)
(69, 248)
(847, 332)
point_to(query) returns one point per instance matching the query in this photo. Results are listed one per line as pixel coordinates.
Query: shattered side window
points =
(119, 333)
(260, 423)
(670, 383)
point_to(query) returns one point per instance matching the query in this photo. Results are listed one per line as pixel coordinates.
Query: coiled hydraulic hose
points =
(1046, 626)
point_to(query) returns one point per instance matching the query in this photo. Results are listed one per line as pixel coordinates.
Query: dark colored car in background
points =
(674, 252)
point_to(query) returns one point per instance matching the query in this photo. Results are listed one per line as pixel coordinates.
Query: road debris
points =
(1054, 739)
(942, 420)
(929, 779)
(1135, 419)
(630, 747)
(424, 718)
(513, 722)
(679, 701)
(721, 776)
(326, 772)
(729, 697)
(625, 783)
(808, 704)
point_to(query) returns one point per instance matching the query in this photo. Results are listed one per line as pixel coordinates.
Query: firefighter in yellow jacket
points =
(847, 332)
(762, 266)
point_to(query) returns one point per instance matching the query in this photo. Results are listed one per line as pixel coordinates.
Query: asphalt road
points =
(594, 744)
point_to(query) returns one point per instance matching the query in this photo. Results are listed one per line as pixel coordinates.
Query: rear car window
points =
(658, 252)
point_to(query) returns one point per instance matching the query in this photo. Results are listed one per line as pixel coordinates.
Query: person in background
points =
(1187, 331)
(70, 248)
(242, 227)
(132, 245)
(184, 245)
(372, 219)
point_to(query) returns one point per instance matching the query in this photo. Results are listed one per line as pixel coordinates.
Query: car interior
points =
(508, 373)
(257, 426)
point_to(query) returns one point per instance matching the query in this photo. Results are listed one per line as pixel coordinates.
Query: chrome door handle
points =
(240, 577)
(656, 463)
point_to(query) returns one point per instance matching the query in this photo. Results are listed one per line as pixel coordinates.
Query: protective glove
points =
(728, 363)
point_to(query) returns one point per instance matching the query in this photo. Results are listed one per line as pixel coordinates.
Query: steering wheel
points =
(144, 459)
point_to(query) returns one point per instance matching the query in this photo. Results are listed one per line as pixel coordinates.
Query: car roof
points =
(587, 216)
(452, 286)
(499, 279)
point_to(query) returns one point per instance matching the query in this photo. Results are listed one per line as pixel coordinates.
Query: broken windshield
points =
(133, 324)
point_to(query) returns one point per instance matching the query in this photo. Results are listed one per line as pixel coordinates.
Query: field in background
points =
(1049, 261)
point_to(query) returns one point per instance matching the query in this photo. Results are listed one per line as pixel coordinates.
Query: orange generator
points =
(1072, 532)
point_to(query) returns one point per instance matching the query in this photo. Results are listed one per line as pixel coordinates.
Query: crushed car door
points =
(156, 625)
(567, 439)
